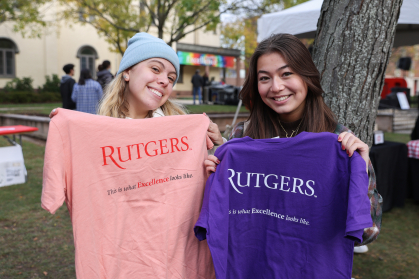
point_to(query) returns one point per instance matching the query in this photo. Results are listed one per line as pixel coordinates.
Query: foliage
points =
(242, 32)
(118, 20)
(17, 84)
(26, 15)
(51, 84)
(22, 97)
(20, 91)
(256, 8)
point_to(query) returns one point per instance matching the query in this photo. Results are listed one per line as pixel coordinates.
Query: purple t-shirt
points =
(285, 208)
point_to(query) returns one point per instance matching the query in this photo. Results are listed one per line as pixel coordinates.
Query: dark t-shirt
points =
(197, 81)
(285, 208)
(66, 88)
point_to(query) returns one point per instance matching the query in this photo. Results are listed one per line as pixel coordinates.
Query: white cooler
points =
(12, 166)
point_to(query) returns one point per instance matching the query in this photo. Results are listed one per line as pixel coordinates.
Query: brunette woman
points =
(284, 95)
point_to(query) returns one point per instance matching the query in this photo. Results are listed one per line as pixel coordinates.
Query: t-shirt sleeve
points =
(53, 184)
(99, 90)
(74, 93)
(201, 227)
(358, 214)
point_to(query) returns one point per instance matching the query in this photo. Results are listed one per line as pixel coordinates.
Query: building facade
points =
(80, 44)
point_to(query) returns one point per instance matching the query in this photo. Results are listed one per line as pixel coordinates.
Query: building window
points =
(7, 58)
(88, 56)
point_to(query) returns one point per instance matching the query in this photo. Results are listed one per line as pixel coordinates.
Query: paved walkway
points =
(183, 101)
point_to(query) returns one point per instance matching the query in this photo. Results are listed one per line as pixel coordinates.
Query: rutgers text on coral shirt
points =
(133, 189)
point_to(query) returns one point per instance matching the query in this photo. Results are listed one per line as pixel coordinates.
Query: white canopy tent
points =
(301, 21)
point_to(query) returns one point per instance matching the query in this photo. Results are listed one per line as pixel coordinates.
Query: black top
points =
(104, 77)
(415, 133)
(197, 81)
(66, 88)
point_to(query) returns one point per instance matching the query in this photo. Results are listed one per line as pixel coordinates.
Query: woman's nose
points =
(278, 84)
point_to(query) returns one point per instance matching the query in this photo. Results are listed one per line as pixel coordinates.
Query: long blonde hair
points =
(114, 103)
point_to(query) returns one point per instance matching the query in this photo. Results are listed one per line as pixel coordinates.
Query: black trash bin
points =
(224, 94)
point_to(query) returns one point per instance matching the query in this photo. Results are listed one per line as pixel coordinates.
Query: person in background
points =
(197, 83)
(205, 79)
(66, 87)
(104, 76)
(205, 89)
(87, 93)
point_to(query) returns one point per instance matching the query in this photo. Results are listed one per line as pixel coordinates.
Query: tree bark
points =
(352, 49)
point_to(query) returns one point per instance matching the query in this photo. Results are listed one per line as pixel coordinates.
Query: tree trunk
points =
(352, 49)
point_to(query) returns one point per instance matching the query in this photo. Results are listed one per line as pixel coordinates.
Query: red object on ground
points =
(390, 83)
(17, 129)
(413, 149)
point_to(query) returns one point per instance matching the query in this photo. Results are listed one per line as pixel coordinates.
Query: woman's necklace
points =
(293, 131)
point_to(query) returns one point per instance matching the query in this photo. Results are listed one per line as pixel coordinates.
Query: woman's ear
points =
(125, 75)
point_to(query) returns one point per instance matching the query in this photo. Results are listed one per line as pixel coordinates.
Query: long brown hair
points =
(263, 121)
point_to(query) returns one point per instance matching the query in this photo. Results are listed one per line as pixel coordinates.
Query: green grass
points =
(45, 109)
(29, 109)
(403, 138)
(395, 254)
(32, 241)
(213, 109)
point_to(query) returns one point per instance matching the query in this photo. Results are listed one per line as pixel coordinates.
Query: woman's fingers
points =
(213, 159)
(351, 149)
(53, 113)
(211, 163)
(215, 134)
(351, 143)
(348, 144)
(343, 138)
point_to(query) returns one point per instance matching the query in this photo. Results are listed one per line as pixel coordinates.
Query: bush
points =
(17, 84)
(21, 97)
(20, 91)
(51, 84)
(49, 97)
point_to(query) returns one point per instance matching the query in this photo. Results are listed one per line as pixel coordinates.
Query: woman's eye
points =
(171, 79)
(263, 78)
(155, 69)
(287, 74)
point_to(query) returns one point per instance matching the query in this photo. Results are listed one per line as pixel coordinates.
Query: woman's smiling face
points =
(280, 87)
(150, 84)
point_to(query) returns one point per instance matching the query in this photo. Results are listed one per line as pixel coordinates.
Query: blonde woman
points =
(147, 73)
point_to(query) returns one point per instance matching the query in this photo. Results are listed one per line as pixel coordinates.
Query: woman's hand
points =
(211, 164)
(214, 133)
(53, 113)
(350, 143)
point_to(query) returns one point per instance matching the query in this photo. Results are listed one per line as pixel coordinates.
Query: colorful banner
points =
(196, 59)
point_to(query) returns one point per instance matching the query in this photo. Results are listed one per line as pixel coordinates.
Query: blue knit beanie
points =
(143, 46)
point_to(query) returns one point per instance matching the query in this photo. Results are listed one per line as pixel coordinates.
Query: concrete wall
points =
(42, 123)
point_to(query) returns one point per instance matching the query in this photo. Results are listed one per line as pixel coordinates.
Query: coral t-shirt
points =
(133, 189)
